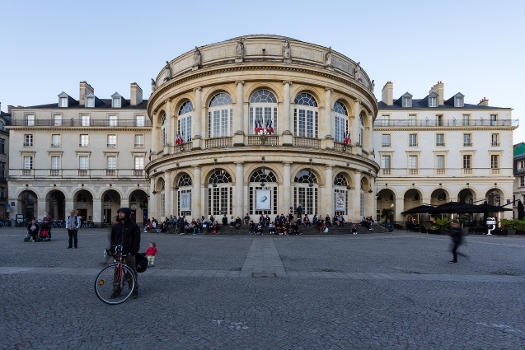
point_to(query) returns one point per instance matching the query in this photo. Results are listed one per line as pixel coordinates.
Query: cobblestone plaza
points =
(382, 291)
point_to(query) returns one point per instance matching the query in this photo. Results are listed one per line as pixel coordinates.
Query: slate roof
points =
(101, 103)
(423, 104)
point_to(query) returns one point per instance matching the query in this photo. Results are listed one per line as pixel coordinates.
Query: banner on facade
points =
(340, 201)
(262, 199)
(185, 201)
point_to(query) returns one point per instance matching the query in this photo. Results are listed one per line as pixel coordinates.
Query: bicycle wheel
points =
(115, 280)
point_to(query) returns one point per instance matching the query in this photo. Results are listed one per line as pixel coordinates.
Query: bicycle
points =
(117, 277)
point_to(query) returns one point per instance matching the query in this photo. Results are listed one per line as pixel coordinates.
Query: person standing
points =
(72, 226)
(456, 234)
(126, 233)
(299, 211)
(47, 222)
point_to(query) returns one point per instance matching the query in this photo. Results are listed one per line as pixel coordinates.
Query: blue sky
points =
(476, 47)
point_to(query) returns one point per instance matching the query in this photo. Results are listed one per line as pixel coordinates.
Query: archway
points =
(386, 205)
(83, 204)
(466, 195)
(56, 204)
(138, 203)
(306, 191)
(494, 197)
(110, 205)
(183, 194)
(438, 197)
(341, 187)
(28, 204)
(412, 199)
(220, 193)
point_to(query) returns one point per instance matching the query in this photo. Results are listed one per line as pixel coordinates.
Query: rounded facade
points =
(258, 125)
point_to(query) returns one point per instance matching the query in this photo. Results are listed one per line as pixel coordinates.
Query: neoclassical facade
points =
(215, 98)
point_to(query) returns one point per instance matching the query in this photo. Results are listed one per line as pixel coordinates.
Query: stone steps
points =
(332, 230)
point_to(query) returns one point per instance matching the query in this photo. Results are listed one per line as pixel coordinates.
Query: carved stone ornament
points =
(239, 51)
(287, 52)
(357, 71)
(168, 72)
(197, 58)
(153, 85)
(328, 57)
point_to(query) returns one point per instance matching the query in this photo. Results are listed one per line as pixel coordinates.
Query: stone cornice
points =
(443, 128)
(80, 128)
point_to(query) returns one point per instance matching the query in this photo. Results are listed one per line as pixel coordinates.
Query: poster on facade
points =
(185, 204)
(262, 199)
(340, 201)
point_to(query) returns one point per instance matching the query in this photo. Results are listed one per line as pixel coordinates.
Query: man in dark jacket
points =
(126, 233)
(456, 234)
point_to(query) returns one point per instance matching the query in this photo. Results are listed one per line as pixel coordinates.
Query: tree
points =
(521, 211)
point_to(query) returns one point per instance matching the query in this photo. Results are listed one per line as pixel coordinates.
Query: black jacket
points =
(456, 234)
(127, 234)
(36, 229)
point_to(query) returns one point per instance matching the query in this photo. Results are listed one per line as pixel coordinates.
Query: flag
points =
(269, 127)
(347, 138)
(149, 156)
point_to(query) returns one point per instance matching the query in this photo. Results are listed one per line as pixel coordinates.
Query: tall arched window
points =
(340, 194)
(305, 191)
(184, 121)
(263, 192)
(184, 195)
(305, 115)
(164, 131)
(219, 193)
(341, 121)
(220, 116)
(361, 130)
(263, 108)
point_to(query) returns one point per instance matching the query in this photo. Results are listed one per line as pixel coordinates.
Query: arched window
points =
(184, 195)
(305, 191)
(184, 121)
(164, 131)
(263, 109)
(341, 121)
(340, 194)
(305, 115)
(263, 192)
(361, 130)
(219, 193)
(220, 116)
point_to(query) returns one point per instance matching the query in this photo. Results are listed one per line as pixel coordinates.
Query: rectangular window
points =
(63, 101)
(139, 140)
(30, 120)
(28, 162)
(113, 120)
(2, 146)
(467, 161)
(466, 120)
(385, 140)
(112, 140)
(112, 162)
(55, 162)
(440, 140)
(412, 120)
(432, 101)
(522, 181)
(494, 139)
(2, 169)
(84, 140)
(438, 120)
(57, 120)
(139, 120)
(467, 139)
(116, 102)
(90, 102)
(84, 120)
(56, 140)
(139, 163)
(440, 162)
(83, 162)
(494, 161)
(385, 120)
(493, 119)
(28, 140)
(412, 139)
(412, 162)
(385, 161)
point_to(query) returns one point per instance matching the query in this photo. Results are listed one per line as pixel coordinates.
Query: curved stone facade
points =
(210, 157)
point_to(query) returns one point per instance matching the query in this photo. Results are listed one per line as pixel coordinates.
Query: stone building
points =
(4, 164)
(86, 154)
(519, 175)
(215, 96)
(434, 150)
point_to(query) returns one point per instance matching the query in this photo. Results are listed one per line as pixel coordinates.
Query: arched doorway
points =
(28, 204)
(183, 193)
(466, 196)
(386, 205)
(56, 204)
(412, 199)
(494, 197)
(110, 205)
(341, 186)
(138, 203)
(219, 193)
(263, 192)
(83, 204)
(438, 197)
(305, 191)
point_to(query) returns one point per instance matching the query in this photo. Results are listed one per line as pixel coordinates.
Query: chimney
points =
(484, 102)
(439, 88)
(388, 93)
(85, 89)
(135, 96)
(9, 108)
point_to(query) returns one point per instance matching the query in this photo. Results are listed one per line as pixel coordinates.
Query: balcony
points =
(27, 172)
(256, 140)
(111, 172)
(440, 171)
(306, 142)
(495, 171)
(413, 171)
(78, 122)
(218, 142)
(386, 171)
(138, 172)
(54, 172)
(467, 171)
(446, 123)
(341, 147)
(82, 172)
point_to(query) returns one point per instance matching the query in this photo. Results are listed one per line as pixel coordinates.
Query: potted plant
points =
(519, 226)
(507, 226)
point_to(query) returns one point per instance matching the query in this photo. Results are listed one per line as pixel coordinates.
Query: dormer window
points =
(63, 100)
(116, 100)
(90, 101)
(458, 100)
(432, 100)
(406, 100)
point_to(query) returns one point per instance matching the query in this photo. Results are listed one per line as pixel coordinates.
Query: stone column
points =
(152, 200)
(371, 205)
(328, 120)
(327, 198)
(238, 205)
(196, 194)
(168, 185)
(204, 118)
(286, 120)
(41, 207)
(155, 138)
(286, 189)
(354, 133)
(399, 208)
(97, 211)
(68, 206)
(124, 203)
(238, 119)
(355, 196)
(196, 130)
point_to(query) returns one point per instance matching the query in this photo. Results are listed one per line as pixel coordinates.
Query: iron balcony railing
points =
(82, 123)
(382, 123)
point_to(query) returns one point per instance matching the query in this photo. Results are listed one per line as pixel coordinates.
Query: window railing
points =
(111, 172)
(341, 147)
(447, 123)
(495, 144)
(306, 142)
(467, 171)
(78, 122)
(413, 171)
(27, 172)
(385, 171)
(467, 144)
(54, 172)
(255, 140)
(139, 145)
(82, 172)
(440, 171)
(138, 172)
(28, 144)
(494, 171)
(218, 142)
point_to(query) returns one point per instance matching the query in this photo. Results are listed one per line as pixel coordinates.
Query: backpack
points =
(141, 262)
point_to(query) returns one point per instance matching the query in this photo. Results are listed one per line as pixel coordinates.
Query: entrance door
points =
(107, 215)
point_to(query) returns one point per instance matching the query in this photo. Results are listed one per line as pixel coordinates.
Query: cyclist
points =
(126, 233)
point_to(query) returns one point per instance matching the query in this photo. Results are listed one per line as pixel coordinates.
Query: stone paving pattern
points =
(378, 291)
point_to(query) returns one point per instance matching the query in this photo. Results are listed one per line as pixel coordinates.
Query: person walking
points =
(456, 235)
(126, 233)
(72, 226)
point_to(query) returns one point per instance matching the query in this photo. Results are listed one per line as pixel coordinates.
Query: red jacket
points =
(151, 251)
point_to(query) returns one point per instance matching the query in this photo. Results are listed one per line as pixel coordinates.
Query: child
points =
(150, 253)
(354, 229)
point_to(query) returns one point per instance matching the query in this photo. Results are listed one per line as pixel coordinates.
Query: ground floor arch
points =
(494, 197)
(438, 197)
(386, 205)
(28, 204)
(466, 195)
(110, 205)
(83, 204)
(138, 204)
(56, 204)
